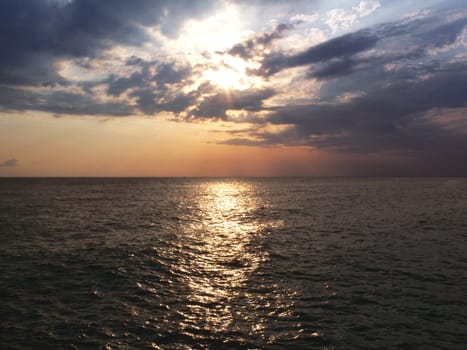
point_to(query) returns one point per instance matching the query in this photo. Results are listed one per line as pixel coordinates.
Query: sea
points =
(233, 263)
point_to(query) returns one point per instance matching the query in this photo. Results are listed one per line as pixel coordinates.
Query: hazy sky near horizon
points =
(233, 88)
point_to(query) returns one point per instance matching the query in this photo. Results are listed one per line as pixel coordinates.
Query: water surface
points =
(300, 263)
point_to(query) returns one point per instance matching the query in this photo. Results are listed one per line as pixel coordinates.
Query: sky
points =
(233, 88)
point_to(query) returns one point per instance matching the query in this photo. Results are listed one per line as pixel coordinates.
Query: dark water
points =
(233, 263)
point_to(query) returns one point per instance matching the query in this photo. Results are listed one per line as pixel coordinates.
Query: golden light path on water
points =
(226, 291)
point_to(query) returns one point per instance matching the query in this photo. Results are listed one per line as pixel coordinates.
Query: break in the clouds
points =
(365, 77)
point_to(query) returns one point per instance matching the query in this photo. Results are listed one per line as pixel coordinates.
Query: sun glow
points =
(205, 44)
(214, 33)
(226, 78)
(228, 73)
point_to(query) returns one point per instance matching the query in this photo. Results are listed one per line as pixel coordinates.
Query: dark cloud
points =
(340, 67)
(118, 85)
(162, 74)
(343, 46)
(338, 48)
(384, 90)
(341, 55)
(169, 73)
(60, 102)
(335, 68)
(154, 86)
(9, 163)
(151, 86)
(259, 42)
(390, 119)
(215, 106)
(444, 34)
(151, 101)
(35, 33)
(403, 54)
(146, 101)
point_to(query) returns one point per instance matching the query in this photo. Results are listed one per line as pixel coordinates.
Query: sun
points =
(228, 73)
(226, 78)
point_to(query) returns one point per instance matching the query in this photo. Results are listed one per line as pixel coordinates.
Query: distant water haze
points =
(233, 263)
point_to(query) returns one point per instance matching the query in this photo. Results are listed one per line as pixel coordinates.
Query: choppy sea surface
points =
(247, 263)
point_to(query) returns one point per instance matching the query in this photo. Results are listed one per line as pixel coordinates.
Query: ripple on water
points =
(233, 263)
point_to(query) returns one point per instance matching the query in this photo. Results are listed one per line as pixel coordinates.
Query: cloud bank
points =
(331, 81)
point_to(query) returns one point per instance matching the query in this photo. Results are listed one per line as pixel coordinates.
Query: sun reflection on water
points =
(224, 256)
(225, 233)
